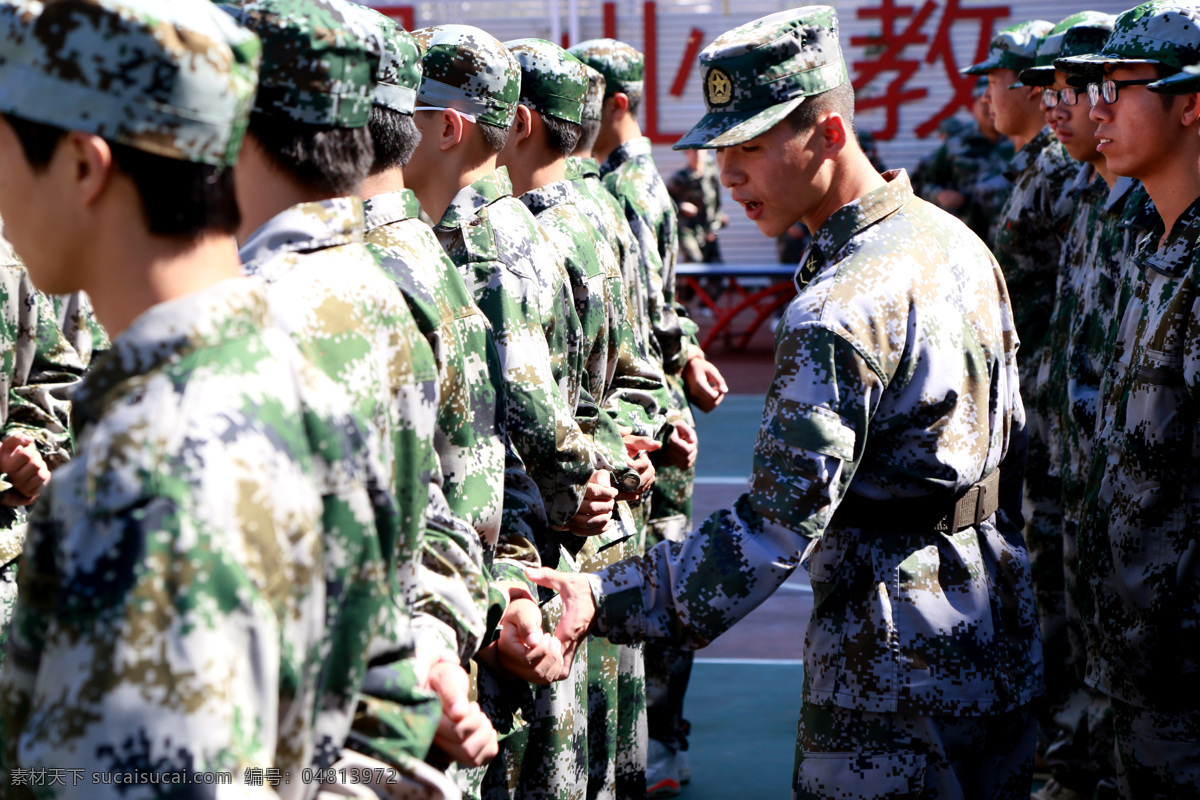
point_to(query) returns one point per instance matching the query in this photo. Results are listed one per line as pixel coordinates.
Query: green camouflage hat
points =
(553, 81)
(469, 69)
(174, 79)
(623, 67)
(318, 64)
(1078, 34)
(593, 101)
(1186, 81)
(1013, 48)
(757, 74)
(1152, 33)
(399, 72)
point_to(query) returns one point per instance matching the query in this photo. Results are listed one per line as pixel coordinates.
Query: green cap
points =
(593, 101)
(623, 67)
(757, 74)
(173, 79)
(553, 81)
(1077, 35)
(469, 69)
(1152, 33)
(318, 66)
(1186, 81)
(399, 72)
(1013, 48)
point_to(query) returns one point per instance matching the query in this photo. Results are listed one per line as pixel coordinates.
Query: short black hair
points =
(562, 135)
(495, 136)
(179, 198)
(322, 158)
(635, 100)
(395, 137)
(589, 132)
(839, 99)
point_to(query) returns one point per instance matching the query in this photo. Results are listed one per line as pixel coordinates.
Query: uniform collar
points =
(852, 219)
(582, 168)
(548, 196)
(1024, 159)
(483, 192)
(304, 228)
(390, 207)
(230, 310)
(1121, 190)
(626, 151)
(1174, 257)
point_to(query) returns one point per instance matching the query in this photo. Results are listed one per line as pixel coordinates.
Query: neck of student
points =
(1026, 136)
(850, 177)
(385, 182)
(263, 190)
(1173, 188)
(627, 129)
(436, 197)
(1100, 165)
(537, 175)
(135, 273)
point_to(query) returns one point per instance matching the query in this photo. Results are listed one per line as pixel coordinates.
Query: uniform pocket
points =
(855, 776)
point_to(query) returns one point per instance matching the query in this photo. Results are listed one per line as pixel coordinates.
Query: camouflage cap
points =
(1078, 34)
(553, 81)
(1013, 48)
(174, 79)
(757, 74)
(593, 101)
(399, 72)
(1186, 81)
(318, 63)
(1152, 33)
(469, 69)
(623, 67)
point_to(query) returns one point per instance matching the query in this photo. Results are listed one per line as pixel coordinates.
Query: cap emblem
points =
(718, 87)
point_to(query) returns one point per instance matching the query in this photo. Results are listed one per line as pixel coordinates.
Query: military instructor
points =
(888, 462)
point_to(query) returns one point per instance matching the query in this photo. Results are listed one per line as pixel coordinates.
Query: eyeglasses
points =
(1107, 89)
(463, 114)
(1052, 97)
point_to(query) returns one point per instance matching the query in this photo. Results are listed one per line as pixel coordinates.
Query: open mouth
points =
(753, 208)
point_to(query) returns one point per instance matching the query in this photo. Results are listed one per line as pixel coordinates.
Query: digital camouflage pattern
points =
(593, 98)
(623, 67)
(134, 87)
(79, 325)
(187, 528)
(36, 365)
(553, 81)
(1160, 32)
(327, 291)
(470, 70)
(1138, 591)
(1013, 48)
(703, 190)
(972, 165)
(1158, 751)
(758, 73)
(1082, 32)
(854, 415)
(399, 72)
(319, 62)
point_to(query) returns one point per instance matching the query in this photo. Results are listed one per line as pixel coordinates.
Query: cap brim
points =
(982, 68)
(1180, 83)
(727, 128)
(1093, 60)
(1037, 76)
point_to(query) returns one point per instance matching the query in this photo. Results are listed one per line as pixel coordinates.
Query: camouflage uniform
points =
(188, 526)
(857, 440)
(703, 190)
(80, 326)
(972, 165)
(36, 365)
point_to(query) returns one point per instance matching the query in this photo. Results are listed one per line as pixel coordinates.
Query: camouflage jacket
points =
(704, 192)
(172, 600)
(504, 259)
(877, 396)
(972, 165)
(327, 291)
(1139, 579)
(1085, 301)
(1029, 239)
(37, 366)
(80, 326)
(630, 175)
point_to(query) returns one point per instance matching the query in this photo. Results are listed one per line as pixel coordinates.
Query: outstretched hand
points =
(464, 732)
(579, 609)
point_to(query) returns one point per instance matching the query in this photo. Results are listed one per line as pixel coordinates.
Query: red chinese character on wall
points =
(901, 27)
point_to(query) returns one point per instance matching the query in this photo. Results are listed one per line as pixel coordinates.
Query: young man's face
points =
(1134, 132)
(1076, 130)
(32, 215)
(773, 176)
(1010, 107)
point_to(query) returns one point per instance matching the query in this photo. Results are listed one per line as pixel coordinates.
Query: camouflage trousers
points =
(1158, 752)
(8, 599)
(844, 753)
(616, 696)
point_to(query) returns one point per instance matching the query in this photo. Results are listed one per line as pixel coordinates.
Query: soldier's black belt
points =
(971, 507)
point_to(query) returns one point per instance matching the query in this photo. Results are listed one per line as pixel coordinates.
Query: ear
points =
(620, 102)
(90, 162)
(835, 133)
(452, 130)
(1190, 109)
(522, 127)
(1034, 94)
